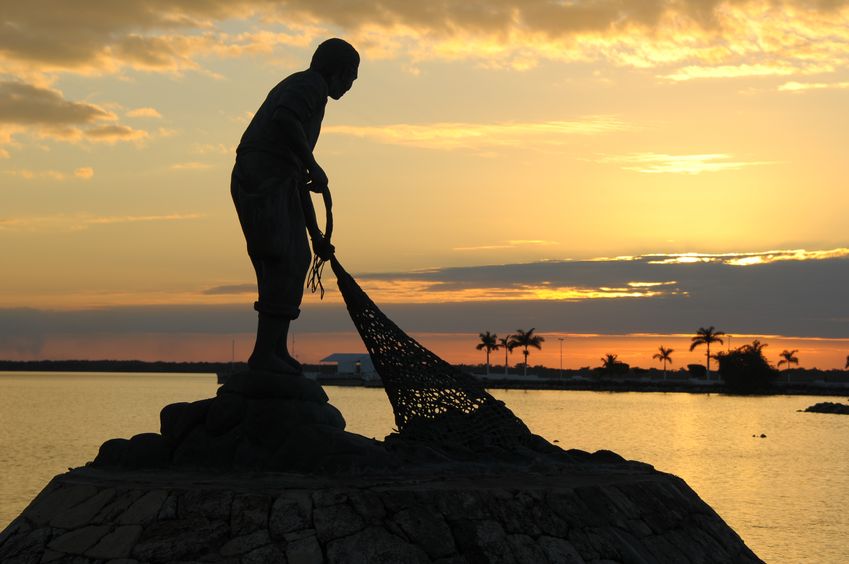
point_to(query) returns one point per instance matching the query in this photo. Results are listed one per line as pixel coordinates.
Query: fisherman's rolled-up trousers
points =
(268, 202)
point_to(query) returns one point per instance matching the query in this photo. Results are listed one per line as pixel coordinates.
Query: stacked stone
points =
(258, 420)
(641, 516)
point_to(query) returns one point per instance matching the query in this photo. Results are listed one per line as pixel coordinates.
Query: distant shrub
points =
(746, 371)
(697, 371)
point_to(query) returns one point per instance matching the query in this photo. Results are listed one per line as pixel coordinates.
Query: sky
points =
(615, 173)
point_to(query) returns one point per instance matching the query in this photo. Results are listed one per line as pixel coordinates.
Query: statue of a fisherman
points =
(275, 171)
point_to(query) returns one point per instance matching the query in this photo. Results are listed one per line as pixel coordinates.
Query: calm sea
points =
(786, 494)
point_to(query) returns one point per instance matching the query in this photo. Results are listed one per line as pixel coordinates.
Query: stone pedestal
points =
(585, 512)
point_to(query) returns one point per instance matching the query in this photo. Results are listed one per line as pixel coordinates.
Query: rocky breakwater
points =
(829, 407)
(265, 473)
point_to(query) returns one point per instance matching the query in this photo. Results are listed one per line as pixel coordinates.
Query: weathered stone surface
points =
(245, 543)
(631, 515)
(526, 550)
(304, 550)
(225, 412)
(117, 544)
(82, 513)
(58, 500)
(292, 512)
(25, 542)
(143, 510)
(376, 546)
(177, 419)
(79, 540)
(368, 505)
(335, 521)
(212, 504)
(168, 510)
(264, 555)
(147, 450)
(249, 513)
(259, 384)
(112, 453)
(200, 449)
(120, 503)
(181, 539)
(482, 541)
(427, 529)
(559, 550)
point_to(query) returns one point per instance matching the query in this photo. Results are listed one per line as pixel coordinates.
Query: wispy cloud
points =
(448, 136)
(191, 165)
(512, 244)
(78, 222)
(230, 289)
(84, 172)
(46, 113)
(741, 38)
(806, 86)
(144, 113)
(737, 71)
(659, 163)
(747, 259)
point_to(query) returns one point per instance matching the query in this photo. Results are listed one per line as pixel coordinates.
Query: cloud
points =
(793, 292)
(78, 222)
(25, 104)
(114, 133)
(507, 245)
(27, 174)
(789, 292)
(738, 37)
(447, 136)
(805, 86)
(193, 165)
(144, 113)
(46, 113)
(658, 163)
(230, 289)
(84, 172)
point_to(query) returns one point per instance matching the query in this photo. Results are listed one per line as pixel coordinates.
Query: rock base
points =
(257, 421)
(829, 407)
(584, 513)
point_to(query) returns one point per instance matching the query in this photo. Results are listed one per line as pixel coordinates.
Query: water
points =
(786, 494)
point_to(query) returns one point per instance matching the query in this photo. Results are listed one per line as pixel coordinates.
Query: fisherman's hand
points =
(322, 248)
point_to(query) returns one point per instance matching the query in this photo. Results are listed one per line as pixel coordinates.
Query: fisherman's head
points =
(338, 62)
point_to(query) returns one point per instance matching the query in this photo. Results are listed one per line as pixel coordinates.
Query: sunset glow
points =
(615, 168)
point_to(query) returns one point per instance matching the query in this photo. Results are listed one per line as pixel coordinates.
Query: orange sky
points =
(502, 138)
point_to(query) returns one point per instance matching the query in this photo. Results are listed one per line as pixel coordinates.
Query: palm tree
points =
(706, 336)
(609, 362)
(504, 343)
(488, 343)
(756, 347)
(525, 340)
(665, 355)
(789, 357)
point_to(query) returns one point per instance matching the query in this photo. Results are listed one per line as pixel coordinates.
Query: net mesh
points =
(432, 400)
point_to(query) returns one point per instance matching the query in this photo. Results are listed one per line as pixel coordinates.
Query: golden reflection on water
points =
(785, 494)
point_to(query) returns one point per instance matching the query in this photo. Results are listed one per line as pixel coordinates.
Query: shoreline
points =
(581, 383)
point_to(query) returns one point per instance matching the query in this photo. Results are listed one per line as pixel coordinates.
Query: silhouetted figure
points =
(275, 171)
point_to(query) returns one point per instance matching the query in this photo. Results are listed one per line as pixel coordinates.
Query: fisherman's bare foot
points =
(272, 363)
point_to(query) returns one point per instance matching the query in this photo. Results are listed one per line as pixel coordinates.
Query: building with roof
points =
(352, 365)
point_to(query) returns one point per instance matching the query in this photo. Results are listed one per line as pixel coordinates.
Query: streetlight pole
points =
(561, 339)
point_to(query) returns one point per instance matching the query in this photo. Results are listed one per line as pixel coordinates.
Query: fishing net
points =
(432, 401)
